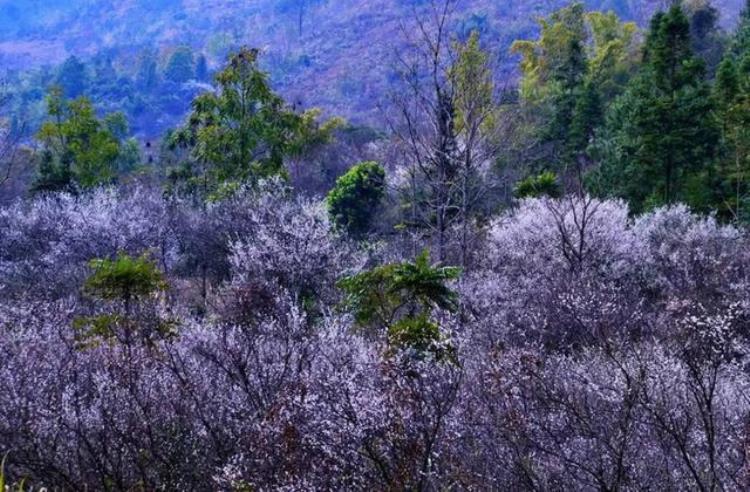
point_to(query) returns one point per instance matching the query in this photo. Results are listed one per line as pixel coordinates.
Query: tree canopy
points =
(661, 135)
(243, 130)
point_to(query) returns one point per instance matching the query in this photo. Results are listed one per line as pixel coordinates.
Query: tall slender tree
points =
(425, 125)
(446, 121)
(476, 127)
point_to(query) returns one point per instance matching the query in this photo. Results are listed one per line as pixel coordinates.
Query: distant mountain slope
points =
(331, 53)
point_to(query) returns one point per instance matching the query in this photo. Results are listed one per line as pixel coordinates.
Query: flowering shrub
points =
(589, 351)
(46, 244)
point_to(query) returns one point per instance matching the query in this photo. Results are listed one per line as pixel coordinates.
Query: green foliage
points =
(727, 83)
(740, 42)
(661, 135)
(243, 130)
(731, 197)
(79, 149)
(54, 173)
(544, 184)
(90, 330)
(424, 284)
(707, 39)
(472, 83)
(356, 196)
(580, 62)
(126, 284)
(420, 335)
(400, 298)
(129, 157)
(6, 487)
(125, 278)
(371, 298)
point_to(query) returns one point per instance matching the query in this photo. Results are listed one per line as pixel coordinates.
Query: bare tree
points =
(424, 123)
(10, 139)
(445, 119)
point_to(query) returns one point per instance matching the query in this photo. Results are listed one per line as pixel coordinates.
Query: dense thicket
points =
(537, 289)
(589, 351)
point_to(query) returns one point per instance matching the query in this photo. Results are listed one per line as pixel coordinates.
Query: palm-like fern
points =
(400, 298)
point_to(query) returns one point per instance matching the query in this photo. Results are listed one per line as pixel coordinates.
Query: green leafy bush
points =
(124, 278)
(400, 299)
(354, 199)
(128, 287)
(544, 184)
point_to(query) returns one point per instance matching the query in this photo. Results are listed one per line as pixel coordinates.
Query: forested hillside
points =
(336, 55)
(417, 245)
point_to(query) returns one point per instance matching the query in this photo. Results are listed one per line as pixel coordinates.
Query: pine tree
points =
(741, 40)
(661, 135)
(708, 40)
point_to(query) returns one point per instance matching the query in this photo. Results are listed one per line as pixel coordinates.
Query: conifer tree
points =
(732, 97)
(401, 299)
(577, 65)
(661, 136)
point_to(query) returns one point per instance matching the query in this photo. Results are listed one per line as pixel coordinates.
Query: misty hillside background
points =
(337, 55)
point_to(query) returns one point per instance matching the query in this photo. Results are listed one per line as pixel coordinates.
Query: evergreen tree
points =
(740, 42)
(544, 184)
(661, 135)
(577, 65)
(732, 95)
(400, 299)
(708, 40)
(54, 173)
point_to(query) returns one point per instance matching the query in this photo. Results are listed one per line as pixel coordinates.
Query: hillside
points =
(336, 55)
(523, 269)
